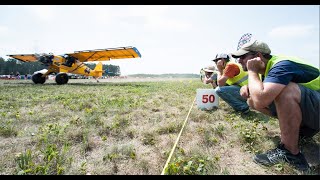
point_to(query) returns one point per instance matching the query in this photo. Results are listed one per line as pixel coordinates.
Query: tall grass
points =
(85, 127)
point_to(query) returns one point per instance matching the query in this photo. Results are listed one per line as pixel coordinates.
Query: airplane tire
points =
(38, 79)
(62, 78)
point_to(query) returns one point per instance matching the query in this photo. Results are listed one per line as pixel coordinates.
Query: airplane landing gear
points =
(38, 79)
(96, 79)
(62, 78)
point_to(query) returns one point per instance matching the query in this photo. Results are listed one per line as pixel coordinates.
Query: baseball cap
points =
(209, 69)
(252, 46)
(221, 56)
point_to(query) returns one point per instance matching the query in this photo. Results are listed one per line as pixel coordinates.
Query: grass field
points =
(129, 126)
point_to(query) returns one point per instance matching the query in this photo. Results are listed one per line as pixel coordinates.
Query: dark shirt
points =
(287, 71)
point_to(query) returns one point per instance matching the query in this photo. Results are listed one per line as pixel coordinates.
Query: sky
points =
(170, 38)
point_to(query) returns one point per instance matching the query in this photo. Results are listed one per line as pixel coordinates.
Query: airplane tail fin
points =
(98, 69)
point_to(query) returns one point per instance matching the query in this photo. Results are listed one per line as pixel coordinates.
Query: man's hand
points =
(220, 65)
(244, 92)
(255, 64)
(207, 80)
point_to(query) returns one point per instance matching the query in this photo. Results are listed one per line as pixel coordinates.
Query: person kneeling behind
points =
(230, 79)
(210, 76)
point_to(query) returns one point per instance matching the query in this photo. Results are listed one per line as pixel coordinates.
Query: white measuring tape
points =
(175, 144)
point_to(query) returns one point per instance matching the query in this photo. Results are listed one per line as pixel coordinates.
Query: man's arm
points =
(222, 79)
(261, 94)
(264, 110)
(207, 80)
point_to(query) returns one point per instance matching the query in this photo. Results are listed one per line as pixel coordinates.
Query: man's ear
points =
(259, 54)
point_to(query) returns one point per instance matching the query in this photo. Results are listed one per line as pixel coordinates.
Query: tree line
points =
(13, 66)
(165, 75)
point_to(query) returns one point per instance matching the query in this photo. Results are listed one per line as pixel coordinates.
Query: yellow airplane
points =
(73, 62)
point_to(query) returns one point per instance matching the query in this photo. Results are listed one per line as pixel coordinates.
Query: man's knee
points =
(218, 90)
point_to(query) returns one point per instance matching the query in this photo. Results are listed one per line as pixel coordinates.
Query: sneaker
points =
(281, 154)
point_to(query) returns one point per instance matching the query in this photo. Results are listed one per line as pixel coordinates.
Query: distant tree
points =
(31, 67)
(2, 66)
(112, 70)
(108, 69)
(91, 65)
(13, 65)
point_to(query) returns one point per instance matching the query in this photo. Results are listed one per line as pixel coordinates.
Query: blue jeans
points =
(231, 95)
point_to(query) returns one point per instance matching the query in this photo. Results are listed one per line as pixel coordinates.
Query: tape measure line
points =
(175, 144)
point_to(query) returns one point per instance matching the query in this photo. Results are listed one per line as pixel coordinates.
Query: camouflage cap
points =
(209, 69)
(252, 46)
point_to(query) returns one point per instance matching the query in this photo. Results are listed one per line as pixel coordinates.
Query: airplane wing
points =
(24, 57)
(106, 54)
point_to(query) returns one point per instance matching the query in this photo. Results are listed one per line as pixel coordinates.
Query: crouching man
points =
(290, 91)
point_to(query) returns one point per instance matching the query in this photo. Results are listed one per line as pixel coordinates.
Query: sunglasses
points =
(246, 55)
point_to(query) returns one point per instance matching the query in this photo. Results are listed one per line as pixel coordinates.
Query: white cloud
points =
(148, 11)
(153, 18)
(159, 24)
(158, 19)
(3, 30)
(291, 31)
(43, 12)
